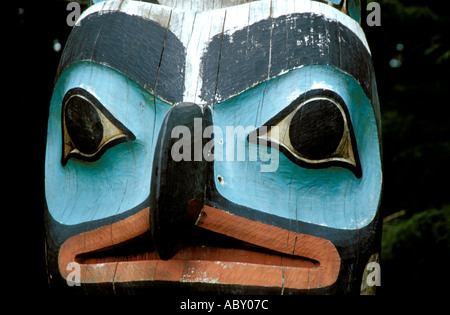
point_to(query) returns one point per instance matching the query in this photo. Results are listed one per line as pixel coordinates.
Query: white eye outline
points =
(114, 132)
(346, 153)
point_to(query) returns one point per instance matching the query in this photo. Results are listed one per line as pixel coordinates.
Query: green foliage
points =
(425, 232)
(414, 101)
(416, 142)
(414, 250)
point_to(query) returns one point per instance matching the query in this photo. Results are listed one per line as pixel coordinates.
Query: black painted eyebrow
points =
(245, 55)
(141, 49)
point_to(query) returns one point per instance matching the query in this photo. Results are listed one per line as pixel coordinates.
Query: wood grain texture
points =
(278, 240)
(210, 265)
(135, 217)
(177, 189)
(135, 46)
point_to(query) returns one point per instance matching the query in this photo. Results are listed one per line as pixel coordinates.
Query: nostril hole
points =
(220, 179)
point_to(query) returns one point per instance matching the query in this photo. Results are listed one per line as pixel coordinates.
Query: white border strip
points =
(273, 8)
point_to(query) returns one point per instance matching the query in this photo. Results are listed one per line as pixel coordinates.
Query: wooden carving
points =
(224, 146)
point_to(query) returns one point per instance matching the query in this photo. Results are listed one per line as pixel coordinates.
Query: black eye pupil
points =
(83, 124)
(316, 129)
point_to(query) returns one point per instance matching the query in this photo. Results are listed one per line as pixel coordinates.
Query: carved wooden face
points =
(233, 149)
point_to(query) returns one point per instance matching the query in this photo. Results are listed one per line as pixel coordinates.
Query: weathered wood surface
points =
(271, 185)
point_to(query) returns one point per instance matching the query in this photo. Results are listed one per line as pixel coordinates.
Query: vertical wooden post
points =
(223, 146)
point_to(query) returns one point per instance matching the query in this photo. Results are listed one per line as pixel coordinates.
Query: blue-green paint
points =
(354, 9)
(85, 191)
(120, 180)
(331, 197)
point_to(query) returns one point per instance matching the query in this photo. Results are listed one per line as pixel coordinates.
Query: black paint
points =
(83, 124)
(314, 149)
(141, 49)
(85, 127)
(177, 187)
(174, 182)
(245, 54)
(316, 129)
(232, 64)
(354, 246)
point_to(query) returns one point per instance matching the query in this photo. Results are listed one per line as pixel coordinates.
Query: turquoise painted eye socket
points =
(88, 128)
(314, 131)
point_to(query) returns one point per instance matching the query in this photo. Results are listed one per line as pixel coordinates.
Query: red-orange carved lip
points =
(292, 260)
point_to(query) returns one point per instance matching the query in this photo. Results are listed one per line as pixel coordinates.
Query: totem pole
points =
(214, 146)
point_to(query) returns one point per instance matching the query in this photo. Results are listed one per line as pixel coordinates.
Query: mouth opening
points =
(198, 244)
(221, 249)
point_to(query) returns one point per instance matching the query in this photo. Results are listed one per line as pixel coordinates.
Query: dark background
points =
(411, 55)
(413, 81)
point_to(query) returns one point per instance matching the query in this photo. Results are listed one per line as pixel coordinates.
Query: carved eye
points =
(314, 131)
(88, 128)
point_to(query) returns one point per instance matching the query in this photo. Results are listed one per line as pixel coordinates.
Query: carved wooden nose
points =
(178, 176)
